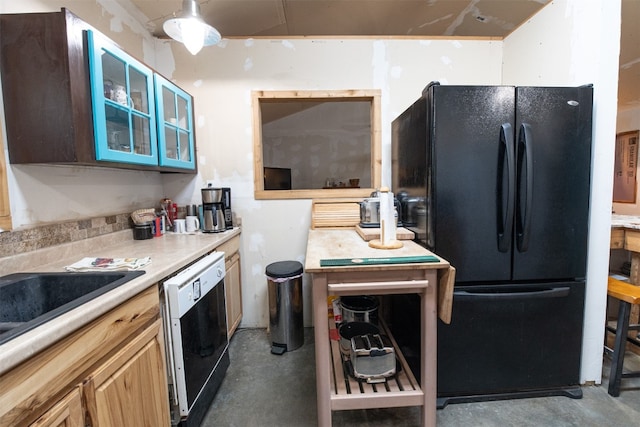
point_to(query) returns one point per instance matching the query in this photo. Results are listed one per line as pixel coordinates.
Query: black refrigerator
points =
(496, 179)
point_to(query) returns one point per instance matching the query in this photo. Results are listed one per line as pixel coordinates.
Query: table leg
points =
(323, 355)
(634, 278)
(617, 359)
(429, 319)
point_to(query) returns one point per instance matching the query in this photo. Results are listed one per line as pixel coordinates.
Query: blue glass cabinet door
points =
(175, 125)
(124, 117)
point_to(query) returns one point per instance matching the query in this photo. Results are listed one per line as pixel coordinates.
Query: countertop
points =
(332, 244)
(625, 221)
(168, 253)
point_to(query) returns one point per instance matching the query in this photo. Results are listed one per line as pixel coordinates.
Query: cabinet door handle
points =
(375, 287)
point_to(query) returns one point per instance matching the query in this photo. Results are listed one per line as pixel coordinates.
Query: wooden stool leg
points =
(617, 359)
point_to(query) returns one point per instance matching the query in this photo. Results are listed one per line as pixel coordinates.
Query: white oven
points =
(195, 325)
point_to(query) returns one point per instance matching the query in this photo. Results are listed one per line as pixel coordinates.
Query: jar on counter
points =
(142, 231)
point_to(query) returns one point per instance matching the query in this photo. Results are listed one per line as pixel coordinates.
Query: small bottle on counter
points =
(174, 211)
(157, 227)
(201, 216)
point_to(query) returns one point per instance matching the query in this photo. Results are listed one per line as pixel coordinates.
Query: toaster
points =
(370, 212)
(373, 358)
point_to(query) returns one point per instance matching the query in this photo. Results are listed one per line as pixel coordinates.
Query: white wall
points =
(575, 42)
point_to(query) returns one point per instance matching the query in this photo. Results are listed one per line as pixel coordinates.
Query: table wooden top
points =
(625, 221)
(347, 243)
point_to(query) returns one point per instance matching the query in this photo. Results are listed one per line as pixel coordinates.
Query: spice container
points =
(142, 231)
(156, 227)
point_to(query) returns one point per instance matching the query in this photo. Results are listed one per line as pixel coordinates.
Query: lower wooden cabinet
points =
(232, 283)
(133, 381)
(233, 293)
(110, 372)
(68, 412)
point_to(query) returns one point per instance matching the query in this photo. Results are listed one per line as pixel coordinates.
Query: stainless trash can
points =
(284, 280)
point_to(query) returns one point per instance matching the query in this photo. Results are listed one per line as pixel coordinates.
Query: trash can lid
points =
(284, 269)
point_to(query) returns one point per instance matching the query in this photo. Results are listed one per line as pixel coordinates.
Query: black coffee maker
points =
(213, 217)
(226, 206)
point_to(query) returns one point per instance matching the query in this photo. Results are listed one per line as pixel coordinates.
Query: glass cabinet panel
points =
(171, 143)
(169, 105)
(183, 112)
(175, 130)
(184, 144)
(123, 107)
(142, 135)
(139, 91)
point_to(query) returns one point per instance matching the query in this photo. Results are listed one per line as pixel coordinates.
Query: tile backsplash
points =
(44, 236)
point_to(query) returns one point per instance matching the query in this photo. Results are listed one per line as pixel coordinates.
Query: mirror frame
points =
(372, 96)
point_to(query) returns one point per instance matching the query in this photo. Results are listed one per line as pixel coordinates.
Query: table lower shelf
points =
(347, 393)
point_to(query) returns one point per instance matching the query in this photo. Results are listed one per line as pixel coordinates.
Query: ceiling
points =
(251, 18)
(480, 18)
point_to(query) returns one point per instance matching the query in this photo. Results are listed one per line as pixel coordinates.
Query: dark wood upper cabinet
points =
(46, 81)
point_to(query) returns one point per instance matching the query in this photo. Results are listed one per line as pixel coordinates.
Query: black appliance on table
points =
(499, 183)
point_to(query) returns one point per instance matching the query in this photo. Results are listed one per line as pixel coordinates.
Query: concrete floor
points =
(264, 390)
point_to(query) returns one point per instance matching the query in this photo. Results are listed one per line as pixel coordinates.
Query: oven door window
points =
(204, 339)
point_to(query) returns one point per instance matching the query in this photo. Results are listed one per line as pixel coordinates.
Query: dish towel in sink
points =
(109, 264)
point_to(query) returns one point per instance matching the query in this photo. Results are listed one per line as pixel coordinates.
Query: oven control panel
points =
(187, 287)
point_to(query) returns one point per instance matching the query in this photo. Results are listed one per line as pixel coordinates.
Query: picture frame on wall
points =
(625, 167)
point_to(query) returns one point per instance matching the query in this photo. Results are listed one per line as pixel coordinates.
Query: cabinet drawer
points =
(617, 238)
(230, 247)
(632, 240)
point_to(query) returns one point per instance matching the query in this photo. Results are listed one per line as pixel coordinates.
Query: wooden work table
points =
(420, 278)
(625, 234)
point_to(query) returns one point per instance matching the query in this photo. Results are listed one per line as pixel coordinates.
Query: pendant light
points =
(189, 28)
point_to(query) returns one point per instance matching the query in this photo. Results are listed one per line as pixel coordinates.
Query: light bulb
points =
(193, 35)
(190, 29)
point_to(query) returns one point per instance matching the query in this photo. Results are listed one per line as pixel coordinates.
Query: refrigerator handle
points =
(524, 202)
(505, 219)
(561, 292)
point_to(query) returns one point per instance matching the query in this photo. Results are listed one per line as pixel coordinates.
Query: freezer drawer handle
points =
(505, 221)
(525, 167)
(544, 293)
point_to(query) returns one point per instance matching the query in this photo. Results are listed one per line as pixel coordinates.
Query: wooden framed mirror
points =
(625, 167)
(316, 144)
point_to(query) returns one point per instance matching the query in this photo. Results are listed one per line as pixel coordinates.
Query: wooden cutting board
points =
(335, 213)
(369, 234)
(446, 281)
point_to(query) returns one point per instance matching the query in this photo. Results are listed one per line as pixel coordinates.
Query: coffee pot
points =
(213, 210)
(213, 216)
